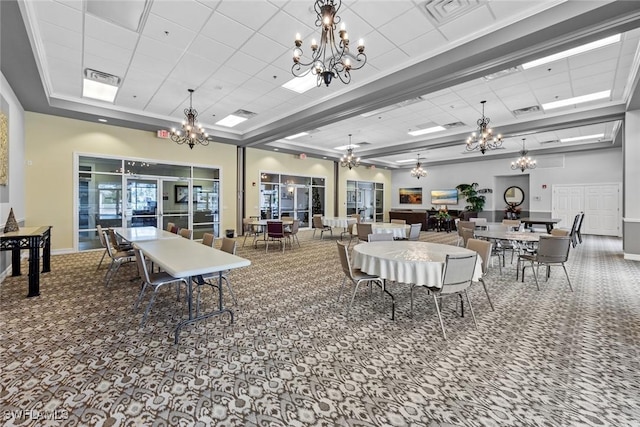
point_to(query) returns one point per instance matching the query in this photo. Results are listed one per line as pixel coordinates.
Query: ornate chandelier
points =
(418, 172)
(483, 140)
(328, 60)
(193, 133)
(523, 162)
(350, 160)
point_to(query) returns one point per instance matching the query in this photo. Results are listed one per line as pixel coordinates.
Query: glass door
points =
(176, 201)
(295, 202)
(141, 202)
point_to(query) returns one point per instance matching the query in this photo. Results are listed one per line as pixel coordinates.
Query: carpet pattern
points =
(76, 355)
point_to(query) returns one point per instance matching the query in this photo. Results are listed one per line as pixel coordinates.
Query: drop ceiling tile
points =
(65, 76)
(168, 33)
(227, 31)
(109, 33)
(51, 33)
(424, 45)
(406, 27)
(249, 64)
(519, 100)
(553, 93)
(264, 48)
(379, 13)
(192, 70)
(152, 48)
(63, 52)
(468, 26)
(59, 14)
(99, 63)
(229, 77)
(588, 85)
(600, 69)
(76, 4)
(186, 13)
(608, 53)
(107, 51)
(283, 27)
(211, 50)
(152, 64)
(259, 15)
(376, 45)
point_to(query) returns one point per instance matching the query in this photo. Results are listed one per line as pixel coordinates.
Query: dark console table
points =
(32, 238)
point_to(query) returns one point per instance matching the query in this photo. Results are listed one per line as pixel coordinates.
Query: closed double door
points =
(601, 204)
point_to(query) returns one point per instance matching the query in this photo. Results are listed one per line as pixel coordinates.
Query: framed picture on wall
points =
(182, 193)
(411, 196)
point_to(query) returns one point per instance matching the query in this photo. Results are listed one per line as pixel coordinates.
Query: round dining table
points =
(418, 263)
(514, 236)
(399, 231)
(338, 221)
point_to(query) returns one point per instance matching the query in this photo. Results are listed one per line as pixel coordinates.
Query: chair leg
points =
(535, 275)
(471, 309)
(567, 274)
(486, 291)
(353, 297)
(341, 288)
(144, 288)
(233, 296)
(101, 259)
(146, 312)
(435, 300)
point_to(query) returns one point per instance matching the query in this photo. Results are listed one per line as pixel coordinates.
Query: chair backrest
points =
(483, 248)
(398, 221)
(479, 221)
(101, 236)
(246, 226)
(560, 232)
(113, 238)
(275, 229)
(466, 234)
(499, 227)
(414, 232)
(553, 249)
(511, 222)
(295, 226)
(380, 237)
(364, 229)
(344, 259)
(317, 221)
(457, 273)
(186, 233)
(580, 222)
(229, 245)
(142, 265)
(356, 216)
(171, 227)
(208, 239)
(466, 224)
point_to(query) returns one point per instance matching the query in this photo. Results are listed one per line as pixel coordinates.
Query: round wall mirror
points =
(514, 195)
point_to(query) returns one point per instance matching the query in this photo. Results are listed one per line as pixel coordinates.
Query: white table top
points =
(337, 221)
(398, 230)
(186, 258)
(142, 234)
(516, 236)
(419, 263)
(264, 221)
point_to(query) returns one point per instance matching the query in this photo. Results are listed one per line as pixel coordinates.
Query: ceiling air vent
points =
(244, 113)
(526, 110)
(453, 125)
(499, 74)
(442, 11)
(101, 77)
(551, 141)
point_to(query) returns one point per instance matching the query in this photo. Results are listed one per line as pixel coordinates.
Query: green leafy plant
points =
(475, 201)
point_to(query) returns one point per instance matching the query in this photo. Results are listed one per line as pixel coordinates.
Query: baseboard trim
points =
(632, 257)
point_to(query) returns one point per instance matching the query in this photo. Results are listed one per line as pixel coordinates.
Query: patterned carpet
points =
(76, 356)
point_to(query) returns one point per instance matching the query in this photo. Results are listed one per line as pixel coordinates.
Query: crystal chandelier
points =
(523, 162)
(418, 172)
(350, 160)
(193, 133)
(483, 140)
(328, 60)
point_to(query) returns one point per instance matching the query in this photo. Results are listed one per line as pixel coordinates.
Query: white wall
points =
(601, 166)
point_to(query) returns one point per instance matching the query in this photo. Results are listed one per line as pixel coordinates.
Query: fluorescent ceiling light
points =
(570, 52)
(102, 120)
(427, 130)
(577, 100)
(344, 147)
(297, 135)
(406, 161)
(580, 138)
(302, 84)
(231, 120)
(100, 91)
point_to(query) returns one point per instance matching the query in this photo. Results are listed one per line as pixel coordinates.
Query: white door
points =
(599, 202)
(602, 210)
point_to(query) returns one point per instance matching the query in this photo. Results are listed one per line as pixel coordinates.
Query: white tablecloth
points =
(515, 236)
(341, 222)
(419, 263)
(399, 231)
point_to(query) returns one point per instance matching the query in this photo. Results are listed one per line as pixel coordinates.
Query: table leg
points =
(46, 253)
(15, 262)
(34, 268)
(549, 228)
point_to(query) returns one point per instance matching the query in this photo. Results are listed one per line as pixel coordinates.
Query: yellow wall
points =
(362, 173)
(49, 172)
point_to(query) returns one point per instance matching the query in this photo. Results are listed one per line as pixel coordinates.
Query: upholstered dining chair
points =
(552, 251)
(318, 225)
(457, 275)
(117, 257)
(186, 233)
(574, 230)
(103, 243)
(292, 233)
(171, 227)
(512, 224)
(483, 248)
(249, 230)
(275, 233)
(229, 246)
(414, 231)
(579, 227)
(153, 280)
(208, 239)
(559, 232)
(354, 275)
(364, 229)
(380, 237)
(398, 221)
(462, 225)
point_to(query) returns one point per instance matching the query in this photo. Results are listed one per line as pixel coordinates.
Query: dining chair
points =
(208, 239)
(354, 275)
(380, 237)
(414, 231)
(103, 243)
(462, 225)
(154, 280)
(318, 225)
(513, 224)
(117, 243)
(229, 246)
(578, 232)
(574, 230)
(466, 233)
(275, 233)
(398, 221)
(171, 228)
(483, 248)
(117, 257)
(479, 222)
(364, 229)
(553, 251)
(292, 234)
(457, 275)
(250, 230)
(559, 232)
(186, 233)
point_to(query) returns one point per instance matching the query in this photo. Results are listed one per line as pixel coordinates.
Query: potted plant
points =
(475, 201)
